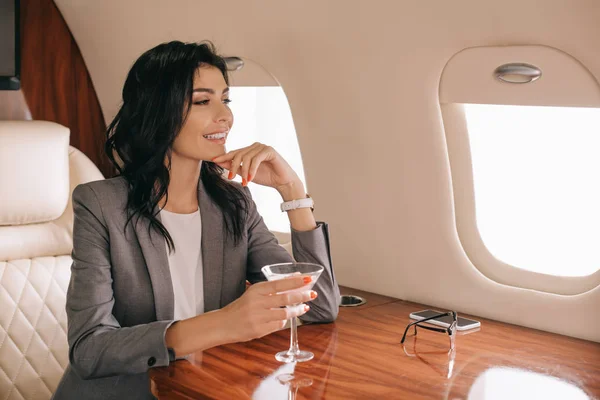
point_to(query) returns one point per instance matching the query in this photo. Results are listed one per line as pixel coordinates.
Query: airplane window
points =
(536, 175)
(262, 114)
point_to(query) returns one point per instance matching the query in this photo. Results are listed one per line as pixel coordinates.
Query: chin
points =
(219, 150)
(209, 157)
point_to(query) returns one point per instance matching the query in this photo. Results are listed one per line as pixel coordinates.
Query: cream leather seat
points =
(38, 172)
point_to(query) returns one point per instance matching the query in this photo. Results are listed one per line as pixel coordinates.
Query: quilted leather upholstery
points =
(33, 326)
(35, 268)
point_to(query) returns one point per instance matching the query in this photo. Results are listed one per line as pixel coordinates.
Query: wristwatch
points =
(308, 202)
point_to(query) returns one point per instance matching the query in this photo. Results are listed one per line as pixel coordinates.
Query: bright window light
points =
(536, 173)
(262, 114)
(500, 383)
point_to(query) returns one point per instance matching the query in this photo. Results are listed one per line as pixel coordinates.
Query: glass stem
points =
(294, 336)
(292, 392)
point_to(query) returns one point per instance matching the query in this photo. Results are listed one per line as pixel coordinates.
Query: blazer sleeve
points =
(98, 345)
(310, 246)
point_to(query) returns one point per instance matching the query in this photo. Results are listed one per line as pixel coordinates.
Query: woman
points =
(161, 253)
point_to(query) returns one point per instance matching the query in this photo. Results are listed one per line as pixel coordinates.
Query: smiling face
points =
(209, 121)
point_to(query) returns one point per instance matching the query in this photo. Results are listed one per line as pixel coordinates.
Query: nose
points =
(224, 114)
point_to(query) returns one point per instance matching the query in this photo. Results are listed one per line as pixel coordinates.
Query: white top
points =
(185, 263)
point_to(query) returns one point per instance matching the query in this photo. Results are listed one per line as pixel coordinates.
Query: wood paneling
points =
(55, 80)
(360, 357)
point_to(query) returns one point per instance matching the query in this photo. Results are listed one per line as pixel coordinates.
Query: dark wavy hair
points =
(157, 97)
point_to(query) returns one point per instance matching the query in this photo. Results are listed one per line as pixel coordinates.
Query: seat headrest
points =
(34, 171)
(50, 238)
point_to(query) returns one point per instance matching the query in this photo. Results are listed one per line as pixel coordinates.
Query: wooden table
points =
(360, 357)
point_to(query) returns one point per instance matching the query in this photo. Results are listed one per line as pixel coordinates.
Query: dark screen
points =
(8, 62)
(447, 319)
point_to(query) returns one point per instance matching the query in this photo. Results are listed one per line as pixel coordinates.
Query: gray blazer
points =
(120, 297)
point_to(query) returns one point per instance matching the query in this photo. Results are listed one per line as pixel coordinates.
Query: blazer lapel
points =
(212, 249)
(155, 254)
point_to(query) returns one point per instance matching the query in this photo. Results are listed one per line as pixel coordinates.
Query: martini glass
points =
(285, 270)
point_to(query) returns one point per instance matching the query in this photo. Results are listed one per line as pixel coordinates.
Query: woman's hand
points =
(255, 314)
(263, 165)
(260, 164)
(258, 311)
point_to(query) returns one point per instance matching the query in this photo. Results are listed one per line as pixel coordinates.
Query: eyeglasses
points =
(451, 330)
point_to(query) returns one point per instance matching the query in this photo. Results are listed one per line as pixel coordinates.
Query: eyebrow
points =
(211, 91)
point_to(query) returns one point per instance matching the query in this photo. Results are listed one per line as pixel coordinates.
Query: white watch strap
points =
(294, 204)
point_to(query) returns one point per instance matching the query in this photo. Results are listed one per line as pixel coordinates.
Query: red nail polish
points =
(249, 177)
(313, 294)
(244, 182)
(230, 175)
(307, 279)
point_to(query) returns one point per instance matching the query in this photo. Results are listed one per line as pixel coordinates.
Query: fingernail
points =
(230, 175)
(244, 182)
(249, 177)
(313, 294)
(306, 308)
(213, 159)
(307, 279)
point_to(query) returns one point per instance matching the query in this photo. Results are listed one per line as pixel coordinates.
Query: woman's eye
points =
(226, 101)
(201, 102)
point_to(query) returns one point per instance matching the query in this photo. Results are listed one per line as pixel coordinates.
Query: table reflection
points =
(440, 360)
(283, 383)
(302, 380)
(513, 383)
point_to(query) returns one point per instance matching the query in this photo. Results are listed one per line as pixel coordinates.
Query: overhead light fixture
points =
(234, 63)
(518, 73)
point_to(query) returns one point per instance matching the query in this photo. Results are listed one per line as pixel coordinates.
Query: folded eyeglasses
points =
(451, 330)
